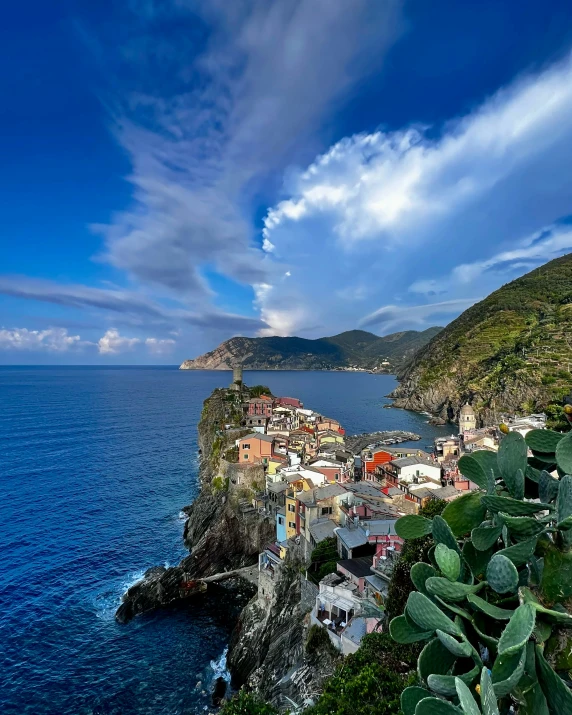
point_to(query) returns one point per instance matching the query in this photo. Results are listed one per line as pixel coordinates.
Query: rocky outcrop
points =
(221, 531)
(267, 649)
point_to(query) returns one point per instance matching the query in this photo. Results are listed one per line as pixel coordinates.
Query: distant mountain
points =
(354, 348)
(510, 352)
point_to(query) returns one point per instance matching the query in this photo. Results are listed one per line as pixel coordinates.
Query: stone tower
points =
(467, 418)
(237, 377)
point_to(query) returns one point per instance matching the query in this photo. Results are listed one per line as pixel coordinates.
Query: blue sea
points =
(95, 466)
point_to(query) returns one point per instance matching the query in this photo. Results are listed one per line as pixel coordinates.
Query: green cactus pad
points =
(547, 487)
(449, 591)
(410, 697)
(464, 513)
(512, 457)
(502, 574)
(428, 616)
(522, 528)
(473, 470)
(477, 560)
(513, 507)
(454, 609)
(560, 618)
(459, 650)
(564, 454)
(436, 706)
(565, 524)
(518, 629)
(543, 440)
(449, 562)
(498, 614)
(434, 658)
(507, 671)
(488, 698)
(403, 631)
(484, 537)
(556, 583)
(445, 684)
(443, 535)
(558, 696)
(488, 461)
(413, 526)
(419, 573)
(520, 553)
(466, 699)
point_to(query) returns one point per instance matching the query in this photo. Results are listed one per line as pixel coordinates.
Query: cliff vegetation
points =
(510, 352)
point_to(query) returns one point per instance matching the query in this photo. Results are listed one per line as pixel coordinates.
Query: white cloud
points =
(112, 343)
(399, 317)
(551, 242)
(160, 346)
(50, 340)
(381, 212)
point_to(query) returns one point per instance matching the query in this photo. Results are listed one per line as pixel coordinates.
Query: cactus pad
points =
(413, 526)
(448, 561)
(483, 537)
(428, 616)
(564, 454)
(518, 629)
(449, 591)
(543, 440)
(502, 574)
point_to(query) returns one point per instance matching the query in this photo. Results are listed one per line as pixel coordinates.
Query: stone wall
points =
(242, 476)
(308, 594)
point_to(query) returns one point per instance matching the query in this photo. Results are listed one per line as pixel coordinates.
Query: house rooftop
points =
(278, 487)
(366, 489)
(352, 538)
(321, 529)
(316, 495)
(359, 567)
(258, 435)
(355, 630)
(412, 461)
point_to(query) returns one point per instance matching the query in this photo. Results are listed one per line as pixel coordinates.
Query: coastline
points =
(221, 536)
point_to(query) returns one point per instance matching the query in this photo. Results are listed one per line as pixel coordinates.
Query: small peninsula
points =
(352, 350)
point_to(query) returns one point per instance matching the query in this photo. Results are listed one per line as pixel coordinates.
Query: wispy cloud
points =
(205, 132)
(400, 317)
(135, 308)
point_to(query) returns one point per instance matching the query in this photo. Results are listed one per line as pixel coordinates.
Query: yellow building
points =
(290, 515)
(467, 419)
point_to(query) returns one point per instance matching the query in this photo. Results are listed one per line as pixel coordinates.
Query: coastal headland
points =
(234, 521)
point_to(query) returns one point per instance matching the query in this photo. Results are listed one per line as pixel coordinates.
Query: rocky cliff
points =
(354, 348)
(507, 353)
(267, 650)
(221, 533)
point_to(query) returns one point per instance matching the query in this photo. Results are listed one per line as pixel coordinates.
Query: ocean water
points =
(95, 465)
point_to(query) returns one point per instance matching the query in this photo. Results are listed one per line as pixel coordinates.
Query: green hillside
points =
(354, 348)
(512, 351)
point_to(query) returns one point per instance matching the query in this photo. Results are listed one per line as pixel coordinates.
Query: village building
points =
(373, 458)
(411, 469)
(256, 424)
(259, 406)
(315, 504)
(368, 538)
(467, 418)
(255, 448)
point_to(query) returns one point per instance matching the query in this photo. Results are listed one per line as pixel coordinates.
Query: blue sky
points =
(174, 173)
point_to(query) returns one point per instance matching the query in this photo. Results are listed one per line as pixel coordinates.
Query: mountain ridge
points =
(356, 349)
(507, 353)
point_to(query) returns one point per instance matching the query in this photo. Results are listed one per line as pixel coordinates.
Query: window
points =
(280, 520)
(291, 507)
(246, 456)
(326, 510)
(245, 446)
(292, 524)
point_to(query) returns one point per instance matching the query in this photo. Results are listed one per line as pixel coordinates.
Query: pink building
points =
(260, 406)
(288, 402)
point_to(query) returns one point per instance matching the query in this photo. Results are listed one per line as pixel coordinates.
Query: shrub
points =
(244, 703)
(318, 640)
(499, 586)
(258, 390)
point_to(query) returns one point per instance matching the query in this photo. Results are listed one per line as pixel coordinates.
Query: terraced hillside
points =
(510, 352)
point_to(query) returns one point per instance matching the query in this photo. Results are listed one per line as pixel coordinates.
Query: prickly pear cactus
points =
(500, 588)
